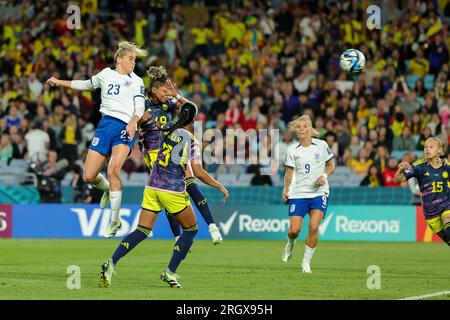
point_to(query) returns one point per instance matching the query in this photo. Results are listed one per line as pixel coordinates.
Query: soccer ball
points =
(352, 60)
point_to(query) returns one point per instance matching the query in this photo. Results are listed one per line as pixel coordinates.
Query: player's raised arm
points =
(73, 84)
(205, 177)
(400, 174)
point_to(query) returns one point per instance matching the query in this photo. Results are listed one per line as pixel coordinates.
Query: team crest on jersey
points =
(127, 83)
(317, 156)
(445, 174)
(427, 174)
(95, 141)
(292, 208)
(165, 107)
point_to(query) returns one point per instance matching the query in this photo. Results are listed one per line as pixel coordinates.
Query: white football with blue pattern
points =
(352, 61)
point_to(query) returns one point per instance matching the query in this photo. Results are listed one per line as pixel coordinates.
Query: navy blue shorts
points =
(300, 207)
(110, 132)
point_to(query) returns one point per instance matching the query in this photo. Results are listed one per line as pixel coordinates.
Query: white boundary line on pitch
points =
(426, 296)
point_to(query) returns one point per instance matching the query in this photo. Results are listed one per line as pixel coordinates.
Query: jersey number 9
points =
(307, 168)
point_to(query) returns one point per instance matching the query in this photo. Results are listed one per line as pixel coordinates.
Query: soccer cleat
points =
(306, 267)
(215, 233)
(106, 274)
(112, 229)
(104, 200)
(171, 278)
(287, 252)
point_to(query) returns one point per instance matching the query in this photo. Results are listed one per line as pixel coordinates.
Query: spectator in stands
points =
(330, 138)
(233, 114)
(416, 126)
(18, 142)
(201, 35)
(389, 173)
(49, 179)
(6, 148)
(219, 106)
(422, 138)
(35, 86)
(346, 159)
(37, 143)
(405, 141)
(382, 158)
(13, 118)
(284, 143)
(368, 146)
(51, 133)
(409, 105)
(435, 125)
(361, 164)
(419, 65)
(373, 178)
(355, 146)
(437, 54)
(70, 136)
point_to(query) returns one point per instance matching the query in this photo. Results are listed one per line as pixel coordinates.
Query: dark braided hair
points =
(188, 112)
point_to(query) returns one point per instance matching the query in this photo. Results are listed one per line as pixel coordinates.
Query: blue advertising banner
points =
(84, 221)
(342, 223)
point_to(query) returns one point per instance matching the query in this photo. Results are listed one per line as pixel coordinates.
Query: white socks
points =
(115, 197)
(291, 242)
(103, 184)
(308, 254)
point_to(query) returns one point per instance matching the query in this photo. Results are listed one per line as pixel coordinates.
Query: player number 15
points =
(438, 186)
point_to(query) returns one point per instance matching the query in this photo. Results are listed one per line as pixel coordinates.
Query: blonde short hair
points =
(126, 47)
(293, 124)
(441, 144)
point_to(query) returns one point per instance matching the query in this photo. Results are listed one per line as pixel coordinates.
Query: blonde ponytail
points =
(126, 47)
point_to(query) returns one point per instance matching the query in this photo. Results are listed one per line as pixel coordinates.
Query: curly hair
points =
(158, 76)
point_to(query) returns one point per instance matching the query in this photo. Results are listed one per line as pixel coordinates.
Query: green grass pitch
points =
(235, 269)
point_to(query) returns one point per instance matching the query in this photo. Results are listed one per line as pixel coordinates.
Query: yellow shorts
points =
(436, 224)
(150, 158)
(155, 200)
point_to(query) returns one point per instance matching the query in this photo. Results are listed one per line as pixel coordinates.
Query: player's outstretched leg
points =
(106, 273)
(126, 245)
(201, 203)
(180, 251)
(188, 221)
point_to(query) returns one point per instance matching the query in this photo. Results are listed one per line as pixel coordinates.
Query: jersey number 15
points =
(438, 186)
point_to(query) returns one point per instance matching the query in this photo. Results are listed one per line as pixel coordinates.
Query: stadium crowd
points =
(253, 65)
